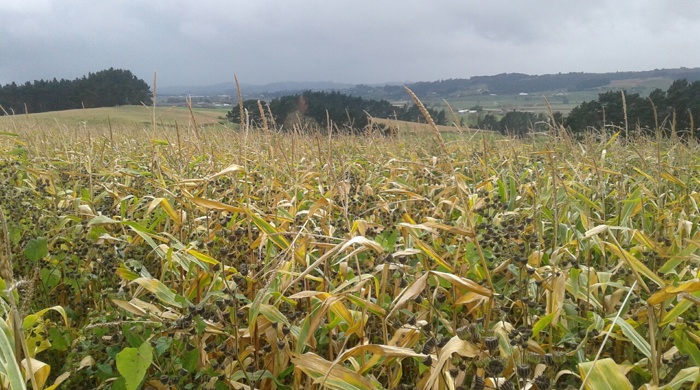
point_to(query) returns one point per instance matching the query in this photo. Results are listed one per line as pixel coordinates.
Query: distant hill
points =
(515, 83)
(505, 83)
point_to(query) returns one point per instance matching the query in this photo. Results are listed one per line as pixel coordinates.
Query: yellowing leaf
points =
(174, 215)
(595, 231)
(87, 361)
(637, 266)
(61, 378)
(673, 179)
(464, 283)
(455, 345)
(214, 205)
(603, 374)
(128, 306)
(363, 241)
(555, 297)
(233, 168)
(40, 370)
(431, 253)
(671, 291)
(161, 291)
(409, 293)
(202, 257)
(378, 349)
(336, 377)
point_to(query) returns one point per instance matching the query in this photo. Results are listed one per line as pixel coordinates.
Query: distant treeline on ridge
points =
(674, 110)
(106, 88)
(345, 112)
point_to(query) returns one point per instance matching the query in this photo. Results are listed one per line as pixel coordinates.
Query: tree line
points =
(106, 88)
(676, 109)
(319, 109)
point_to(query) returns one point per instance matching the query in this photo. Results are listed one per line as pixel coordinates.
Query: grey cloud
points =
(207, 41)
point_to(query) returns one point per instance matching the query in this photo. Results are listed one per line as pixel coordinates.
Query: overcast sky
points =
(354, 41)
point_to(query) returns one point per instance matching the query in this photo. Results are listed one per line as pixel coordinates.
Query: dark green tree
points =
(251, 110)
(322, 109)
(105, 88)
(676, 109)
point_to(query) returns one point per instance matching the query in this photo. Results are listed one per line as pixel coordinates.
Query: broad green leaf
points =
(36, 249)
(603, 374)
(308, 327)
(132, 364)
(190, 359)
(630, 207)
(270, 230)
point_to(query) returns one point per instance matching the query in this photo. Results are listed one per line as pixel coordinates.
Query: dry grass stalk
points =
(5, 254)
(428, 118)
(262, 116)
(240, 101)
(455, 119)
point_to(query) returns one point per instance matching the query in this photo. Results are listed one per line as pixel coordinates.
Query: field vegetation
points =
(190, 256)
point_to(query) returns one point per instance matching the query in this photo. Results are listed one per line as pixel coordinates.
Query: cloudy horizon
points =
(207, 42)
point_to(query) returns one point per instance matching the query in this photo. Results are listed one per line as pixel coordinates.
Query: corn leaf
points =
(690, 374)
(161, 291)
(336, 377)
(9, 369)
(603, 374)
(464, 283)
(636, 339)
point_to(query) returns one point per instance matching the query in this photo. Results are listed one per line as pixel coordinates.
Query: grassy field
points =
(215, 258)
(124, 115)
